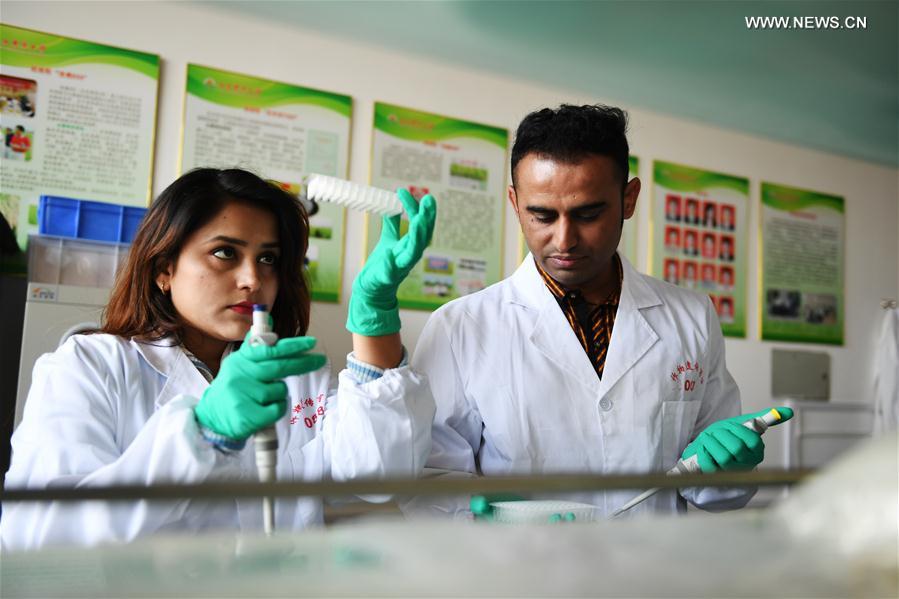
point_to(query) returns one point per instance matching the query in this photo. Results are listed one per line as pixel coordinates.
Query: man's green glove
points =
(373, 309)
(728, 445)
(248, 393)
(480, 504)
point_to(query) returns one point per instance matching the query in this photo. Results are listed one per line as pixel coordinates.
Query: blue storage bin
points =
(83, 219)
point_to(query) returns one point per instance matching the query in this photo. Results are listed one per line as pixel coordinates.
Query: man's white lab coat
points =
(103, 410)
(517, 394)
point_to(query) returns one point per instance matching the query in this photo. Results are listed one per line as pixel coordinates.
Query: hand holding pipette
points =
(265, 441)
(729, 444)
(248, 395)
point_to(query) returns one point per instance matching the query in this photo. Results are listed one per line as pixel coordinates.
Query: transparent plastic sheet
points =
(852, 507)
(836, 536)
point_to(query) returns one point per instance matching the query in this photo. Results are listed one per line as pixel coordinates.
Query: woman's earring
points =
(163, 287)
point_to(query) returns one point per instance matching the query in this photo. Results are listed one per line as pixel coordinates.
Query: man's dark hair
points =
(571, 133)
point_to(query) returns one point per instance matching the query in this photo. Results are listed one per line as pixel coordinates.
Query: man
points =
(726, 306)
(689, 275)
(726, 278)
(708, 218)
(692, 212)
(577, 363)
(672, 209)
(708, 275)
(727, 217)
(727, 249)
(671, 272)
(690, 246)
(672, 239)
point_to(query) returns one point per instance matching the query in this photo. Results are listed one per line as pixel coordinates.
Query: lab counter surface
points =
(835, 536)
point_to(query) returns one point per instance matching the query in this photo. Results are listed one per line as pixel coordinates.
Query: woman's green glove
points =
(728, 445)
(248, 393)
(373, 309)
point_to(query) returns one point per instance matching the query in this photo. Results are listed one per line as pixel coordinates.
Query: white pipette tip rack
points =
(322, 188)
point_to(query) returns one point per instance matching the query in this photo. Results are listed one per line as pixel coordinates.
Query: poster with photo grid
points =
(699, 237)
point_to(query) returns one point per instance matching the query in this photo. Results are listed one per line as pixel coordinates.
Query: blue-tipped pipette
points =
(265, 440)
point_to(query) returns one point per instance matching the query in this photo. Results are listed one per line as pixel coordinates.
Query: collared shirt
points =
(592, 324)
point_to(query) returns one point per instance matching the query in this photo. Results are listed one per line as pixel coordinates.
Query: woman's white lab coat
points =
(516, 392)
(103, 410)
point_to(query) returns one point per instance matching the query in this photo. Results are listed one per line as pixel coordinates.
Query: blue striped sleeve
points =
(363, 372)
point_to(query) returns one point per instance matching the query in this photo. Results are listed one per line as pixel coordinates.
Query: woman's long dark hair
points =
(137, 308)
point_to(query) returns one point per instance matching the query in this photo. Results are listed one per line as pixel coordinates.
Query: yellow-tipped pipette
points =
(691, 464)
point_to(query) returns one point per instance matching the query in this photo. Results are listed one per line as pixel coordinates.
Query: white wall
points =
(191, 33)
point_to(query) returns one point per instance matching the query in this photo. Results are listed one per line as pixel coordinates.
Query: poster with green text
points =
(698, 227)
(628, 244)
(281, 132)
(463, 165)
(78, 121)
(802, 257)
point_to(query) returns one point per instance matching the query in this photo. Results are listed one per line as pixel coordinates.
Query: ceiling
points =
(831, 90)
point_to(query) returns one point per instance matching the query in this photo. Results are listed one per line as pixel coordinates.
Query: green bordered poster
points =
(698, 237)
(281, 132)
(802, 257)
(78, 121)
(463, 164)
(628, 243)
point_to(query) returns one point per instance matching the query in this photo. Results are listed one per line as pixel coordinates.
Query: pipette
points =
(691, 464)
(322, 188)
(265, 440)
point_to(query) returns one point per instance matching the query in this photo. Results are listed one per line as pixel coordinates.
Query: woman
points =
(165, 393)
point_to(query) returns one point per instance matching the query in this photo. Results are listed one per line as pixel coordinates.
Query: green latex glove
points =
(480, 504)
(373, 309)
(248, 393)
(728, 445)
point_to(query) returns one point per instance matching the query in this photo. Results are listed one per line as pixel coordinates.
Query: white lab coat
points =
(886, 375)
(517, 394)
(103, 410)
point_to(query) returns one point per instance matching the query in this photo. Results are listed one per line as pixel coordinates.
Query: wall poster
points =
(281, 132)
(463, 164)
(699, 237)
(802, 257)
(78, 121)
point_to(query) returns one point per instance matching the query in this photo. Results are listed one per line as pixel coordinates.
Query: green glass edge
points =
(797, 338)
(272, 93)
(783, 197)
(62, 51)
(739, 332)
(438, 127)
(685, 178)
(325, 296)
(421, 305)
